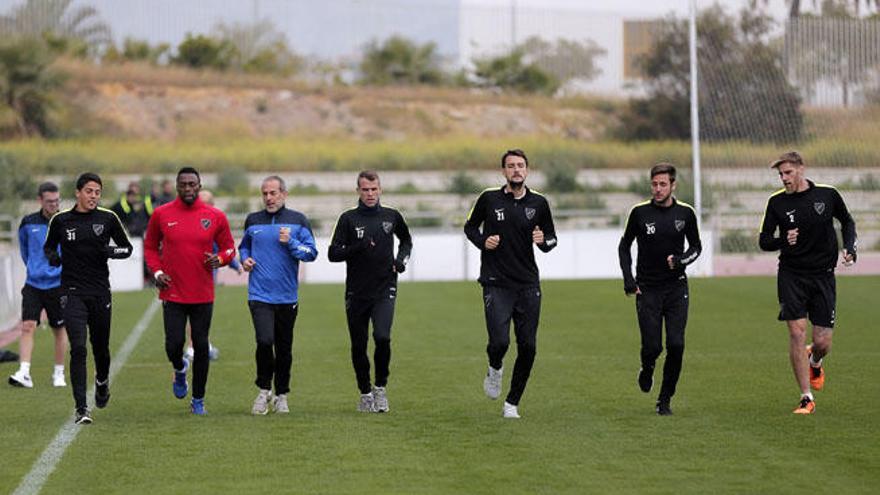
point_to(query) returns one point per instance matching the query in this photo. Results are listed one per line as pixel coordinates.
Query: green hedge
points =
(448, 153)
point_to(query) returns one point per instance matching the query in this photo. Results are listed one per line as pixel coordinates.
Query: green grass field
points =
(586, 428)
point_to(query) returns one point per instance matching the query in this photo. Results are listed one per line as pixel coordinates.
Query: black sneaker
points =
(83, 417)
(663, 408)
(102, 394)
(646, 379)
(7, 356)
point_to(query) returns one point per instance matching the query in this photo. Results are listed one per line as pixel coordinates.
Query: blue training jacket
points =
(31, 236)
(274, 279)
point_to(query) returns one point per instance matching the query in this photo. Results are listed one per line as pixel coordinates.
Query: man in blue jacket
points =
(275, 240)
(41, 289)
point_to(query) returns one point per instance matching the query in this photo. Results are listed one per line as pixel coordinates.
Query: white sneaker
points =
(261, 403)
(190, 354)
(280, 404)
(510, 411)
(213, 352)
(21, 379)
(366, 403)
(380, 400)
(492, 383)
(58, 379)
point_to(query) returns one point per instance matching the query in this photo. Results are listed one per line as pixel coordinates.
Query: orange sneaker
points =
(807, 406)
(817, 375)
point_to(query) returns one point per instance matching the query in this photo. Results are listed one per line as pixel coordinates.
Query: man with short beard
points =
(84, 233)
(660, 227)
(513, 219)
(275, 241)
(179, 249)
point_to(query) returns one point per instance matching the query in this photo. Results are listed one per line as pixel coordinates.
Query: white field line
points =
(33, 482)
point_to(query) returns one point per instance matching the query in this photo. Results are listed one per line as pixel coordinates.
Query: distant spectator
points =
(167, 193)
(134, 210)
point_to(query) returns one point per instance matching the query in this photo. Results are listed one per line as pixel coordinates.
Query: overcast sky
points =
(648, 7)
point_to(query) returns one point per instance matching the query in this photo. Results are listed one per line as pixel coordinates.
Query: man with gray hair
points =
(275, 240)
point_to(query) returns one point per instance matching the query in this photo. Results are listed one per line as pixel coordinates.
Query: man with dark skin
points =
(179, 249)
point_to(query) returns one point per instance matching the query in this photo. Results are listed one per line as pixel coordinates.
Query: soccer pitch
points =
(586, 428)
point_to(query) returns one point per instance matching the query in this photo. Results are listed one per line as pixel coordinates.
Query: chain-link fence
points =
(767, 85)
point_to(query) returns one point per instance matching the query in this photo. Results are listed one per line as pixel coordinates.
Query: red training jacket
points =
(178, 236)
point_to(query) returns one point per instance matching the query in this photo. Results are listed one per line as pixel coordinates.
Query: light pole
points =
(695, 115)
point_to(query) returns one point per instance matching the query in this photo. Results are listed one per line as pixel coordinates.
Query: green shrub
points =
(510, 72)
(561, 177)
(16, 184)
(401, 61)
(232, 180)
(463, 184)
(204, 52)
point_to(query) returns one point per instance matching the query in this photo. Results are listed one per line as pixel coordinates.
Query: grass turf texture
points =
(586, 428)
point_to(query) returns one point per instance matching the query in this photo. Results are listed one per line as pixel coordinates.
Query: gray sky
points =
(634, 7)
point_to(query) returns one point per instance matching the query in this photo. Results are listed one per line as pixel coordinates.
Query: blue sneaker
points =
(179, 385)
(198, 407)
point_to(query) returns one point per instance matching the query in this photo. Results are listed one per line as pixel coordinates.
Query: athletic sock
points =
(815, 364)
(59, 368)
(25, 367)
(808, 395)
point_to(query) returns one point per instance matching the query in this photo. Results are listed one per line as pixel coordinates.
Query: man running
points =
(179, 249)
(799, 223)
(84, 233)
(364, 239)
(275, 240)
(660, 227)
(514, 219)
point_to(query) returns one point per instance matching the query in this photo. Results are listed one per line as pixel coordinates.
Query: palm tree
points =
(42, 17)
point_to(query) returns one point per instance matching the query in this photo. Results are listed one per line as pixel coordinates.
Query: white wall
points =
(449, 256)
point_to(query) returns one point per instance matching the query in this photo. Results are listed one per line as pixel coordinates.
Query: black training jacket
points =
(512, 263)
(659, 231)
(364, 239)
(812, 213)
(85, 248)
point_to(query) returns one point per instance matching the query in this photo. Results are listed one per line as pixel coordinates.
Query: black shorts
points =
(811, 296)
(34, 301)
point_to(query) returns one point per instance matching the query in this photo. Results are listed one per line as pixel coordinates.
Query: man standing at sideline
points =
(660, 227)
(42, 289)
(364, 239)
(179, 249)
(803, 213)
(275, 240)
(513, 218)
(84, 233)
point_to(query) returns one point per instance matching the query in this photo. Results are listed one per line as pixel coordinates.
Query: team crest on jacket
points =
(679, 224)
(819, 207)
(98, 228)
(206, 222)
(387, 226)
(530, 213)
